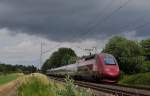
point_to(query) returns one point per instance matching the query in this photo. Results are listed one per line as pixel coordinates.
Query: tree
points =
(146, 48)
(46, 65)
(59, 58)
(127, 52)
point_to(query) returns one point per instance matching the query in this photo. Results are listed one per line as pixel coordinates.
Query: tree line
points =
(7, 68)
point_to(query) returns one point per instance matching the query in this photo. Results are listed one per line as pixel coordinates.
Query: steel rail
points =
(114, 89)
(118, 90)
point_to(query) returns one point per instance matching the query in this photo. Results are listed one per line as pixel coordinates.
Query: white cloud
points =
(25, 49)
(18, 49)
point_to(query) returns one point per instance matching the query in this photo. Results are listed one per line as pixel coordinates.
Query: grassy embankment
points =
(39, 85)
(137, 79)
(8, 77)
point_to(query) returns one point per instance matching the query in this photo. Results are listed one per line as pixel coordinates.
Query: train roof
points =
(92, 56)
(106, 54)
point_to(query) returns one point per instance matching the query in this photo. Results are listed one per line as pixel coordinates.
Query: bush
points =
(145, 67)
(122, 74)
(138, 79)
(133, 64)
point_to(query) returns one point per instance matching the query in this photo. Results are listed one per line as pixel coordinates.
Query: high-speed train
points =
(101, 67)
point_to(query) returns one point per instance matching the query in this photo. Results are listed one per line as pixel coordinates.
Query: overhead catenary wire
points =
(88, 23)
(106, 18)
(103, 20)
(137, 26)
(131, 24)
(100, 14)
(141, 26)
(49, 50)
(93, 20)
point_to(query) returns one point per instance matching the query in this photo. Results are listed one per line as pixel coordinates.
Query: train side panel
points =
(85, 68)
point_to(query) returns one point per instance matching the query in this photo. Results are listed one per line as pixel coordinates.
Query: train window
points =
(109, 60)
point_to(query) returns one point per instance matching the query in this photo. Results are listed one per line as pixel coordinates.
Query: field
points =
(7, 78)
(8, 84)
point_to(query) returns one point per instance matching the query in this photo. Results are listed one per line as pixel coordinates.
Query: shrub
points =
(138, 79)
(145, 67)
(122, 74)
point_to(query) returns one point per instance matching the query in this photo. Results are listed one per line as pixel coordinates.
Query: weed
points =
(36, 86)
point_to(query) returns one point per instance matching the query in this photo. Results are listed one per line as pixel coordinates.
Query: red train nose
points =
(110, 72)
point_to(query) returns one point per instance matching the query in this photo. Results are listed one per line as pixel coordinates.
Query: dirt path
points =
(9, 89)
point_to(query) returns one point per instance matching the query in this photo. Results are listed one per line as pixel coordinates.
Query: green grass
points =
(41, 86)
(137, 79)
(33, 88)
(7, 78)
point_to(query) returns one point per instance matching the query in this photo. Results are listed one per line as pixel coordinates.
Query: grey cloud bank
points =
(24, 23)
(62, 20)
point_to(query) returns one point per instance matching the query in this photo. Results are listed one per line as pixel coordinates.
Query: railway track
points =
(117, 90)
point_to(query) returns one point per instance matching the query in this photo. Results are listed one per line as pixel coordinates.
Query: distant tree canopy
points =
(59, 58)
(7, 68)
(146, 48)
(127, 52)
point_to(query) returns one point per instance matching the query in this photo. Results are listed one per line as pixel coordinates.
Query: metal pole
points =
(41, 53)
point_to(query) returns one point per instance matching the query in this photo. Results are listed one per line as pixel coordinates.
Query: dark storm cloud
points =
(62, 20)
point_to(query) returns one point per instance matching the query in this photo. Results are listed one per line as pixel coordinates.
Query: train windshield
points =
(109, 60)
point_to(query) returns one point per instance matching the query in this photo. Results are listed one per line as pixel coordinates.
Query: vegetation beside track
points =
(137, 79)
(39, 85)
(8, 77)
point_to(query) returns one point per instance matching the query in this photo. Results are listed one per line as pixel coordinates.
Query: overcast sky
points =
(76, 24)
